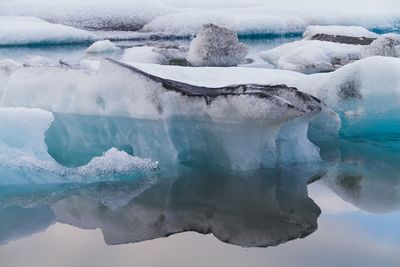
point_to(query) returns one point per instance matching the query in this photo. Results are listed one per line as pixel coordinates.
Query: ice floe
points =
(28, 30)
(103, 46)
(350, 31)
(326, 48)
(312, 56)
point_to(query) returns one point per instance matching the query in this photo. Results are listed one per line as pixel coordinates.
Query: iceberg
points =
(194, 111)
(327, 48)
(30, 31)
(216, 46)
(218, 114)
(312, 56)
(340, 34)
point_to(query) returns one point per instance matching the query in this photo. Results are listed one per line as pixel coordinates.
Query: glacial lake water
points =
(343, 211)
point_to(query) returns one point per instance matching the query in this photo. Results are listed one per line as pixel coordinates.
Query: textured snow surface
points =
(387, 45)
(74, 91)
(186, 17)
(371, 78)
(28, 30)
(116, 91)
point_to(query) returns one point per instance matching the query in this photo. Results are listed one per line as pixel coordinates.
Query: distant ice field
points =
(180, 18)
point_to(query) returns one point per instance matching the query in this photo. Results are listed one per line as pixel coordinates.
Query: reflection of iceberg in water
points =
(365, 170)
(243, 210)
(246, 209)
(26, 209)
(17, 222)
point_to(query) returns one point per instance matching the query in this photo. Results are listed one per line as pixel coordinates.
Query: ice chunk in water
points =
(326, 48)
(102, 47)
(310, 56)
(216, 46)
(349, 31)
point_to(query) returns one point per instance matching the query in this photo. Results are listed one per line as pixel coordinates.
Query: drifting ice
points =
(216, 46)
(102, 47)
(28, 31)
(327, 48)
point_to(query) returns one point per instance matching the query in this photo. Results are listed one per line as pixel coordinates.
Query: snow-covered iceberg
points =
(327, 48)
(311, 56)
(340, 34)
(214, 117)
(30, 31)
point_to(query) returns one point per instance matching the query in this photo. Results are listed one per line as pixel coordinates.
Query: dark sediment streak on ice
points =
(303, 102)
(342, 39)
